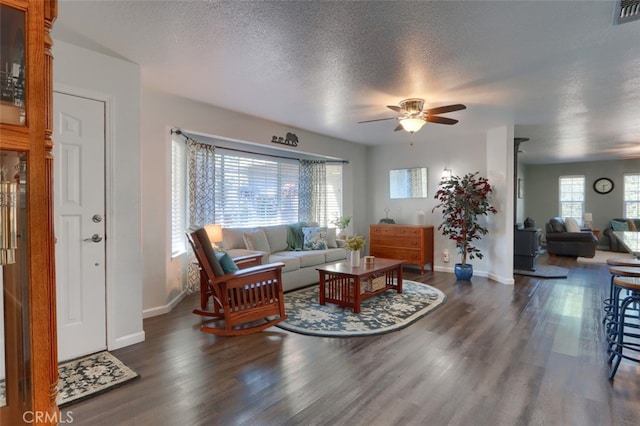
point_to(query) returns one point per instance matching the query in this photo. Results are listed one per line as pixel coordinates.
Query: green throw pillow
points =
(227, 263)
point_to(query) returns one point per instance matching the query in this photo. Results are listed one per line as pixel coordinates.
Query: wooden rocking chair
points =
(243, 299)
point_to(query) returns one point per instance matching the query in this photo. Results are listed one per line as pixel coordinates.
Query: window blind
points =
(572, 197)
(632, 196)
(178, 197)
(254, 190)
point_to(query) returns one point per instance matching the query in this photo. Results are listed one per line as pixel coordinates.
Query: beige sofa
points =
(275, 243)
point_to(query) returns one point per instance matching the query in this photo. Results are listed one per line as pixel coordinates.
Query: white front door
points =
(79, 138)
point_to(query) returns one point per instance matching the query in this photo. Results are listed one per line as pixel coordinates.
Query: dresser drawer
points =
(395, 241)
(411, 256)
(397, 230)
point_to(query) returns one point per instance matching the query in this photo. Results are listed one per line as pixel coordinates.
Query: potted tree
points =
(462, 201)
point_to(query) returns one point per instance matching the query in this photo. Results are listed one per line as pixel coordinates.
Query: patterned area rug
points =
(91, 375)
(386, 312)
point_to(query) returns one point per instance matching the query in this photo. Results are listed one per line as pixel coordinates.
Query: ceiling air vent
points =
(627, 11)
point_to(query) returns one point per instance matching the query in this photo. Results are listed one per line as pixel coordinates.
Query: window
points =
(632, 195)
(255, 190)
(237, 188)
(334, 190)
(572, 197)
(178, 197)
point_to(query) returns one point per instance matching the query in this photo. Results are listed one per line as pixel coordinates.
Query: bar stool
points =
(619, 325)
(620, 267)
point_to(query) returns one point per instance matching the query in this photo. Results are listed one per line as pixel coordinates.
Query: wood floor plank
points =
(529, 354)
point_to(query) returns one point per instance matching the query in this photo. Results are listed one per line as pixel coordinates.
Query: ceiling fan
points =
(414, 116)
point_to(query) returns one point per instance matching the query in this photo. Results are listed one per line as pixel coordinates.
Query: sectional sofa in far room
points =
(286, 244)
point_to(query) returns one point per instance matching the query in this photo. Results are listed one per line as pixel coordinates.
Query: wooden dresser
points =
(411, 243)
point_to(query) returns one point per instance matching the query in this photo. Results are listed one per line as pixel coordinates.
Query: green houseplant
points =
(341, 222)
(462, 201)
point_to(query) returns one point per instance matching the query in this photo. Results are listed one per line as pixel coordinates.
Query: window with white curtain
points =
(572, 197)
(632, 195)
(254, 189)
(247, 190)
(334, 190)
(178, 197)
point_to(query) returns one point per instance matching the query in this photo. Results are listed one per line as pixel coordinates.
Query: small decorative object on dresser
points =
(411, 243)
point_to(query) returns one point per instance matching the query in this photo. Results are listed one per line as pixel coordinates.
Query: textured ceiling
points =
(561, 71)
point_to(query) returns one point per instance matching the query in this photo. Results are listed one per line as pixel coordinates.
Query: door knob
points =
(96, 238)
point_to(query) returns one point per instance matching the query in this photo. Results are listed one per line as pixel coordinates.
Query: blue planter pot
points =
(463, 272)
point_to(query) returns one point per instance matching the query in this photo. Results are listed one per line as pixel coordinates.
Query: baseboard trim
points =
(160, 310)
(494, 277)
(128, 340)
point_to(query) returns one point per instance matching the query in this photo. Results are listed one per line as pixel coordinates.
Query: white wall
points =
(80, 71)
(500, 168)
(161, 112)
(461, 154)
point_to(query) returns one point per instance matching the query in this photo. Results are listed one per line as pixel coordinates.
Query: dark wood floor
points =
(529, 354)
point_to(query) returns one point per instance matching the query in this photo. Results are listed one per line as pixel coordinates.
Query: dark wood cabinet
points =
(411, 243)
(26, 208)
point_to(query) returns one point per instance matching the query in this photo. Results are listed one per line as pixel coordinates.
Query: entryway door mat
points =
(91, 375)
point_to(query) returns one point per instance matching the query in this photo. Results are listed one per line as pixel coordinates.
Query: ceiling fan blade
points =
(379, 119)
(440, 120)
(398, 127)
(397, 109)
(443, 109)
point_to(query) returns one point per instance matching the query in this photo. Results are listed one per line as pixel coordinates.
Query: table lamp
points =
(587, 219)
(214, 232)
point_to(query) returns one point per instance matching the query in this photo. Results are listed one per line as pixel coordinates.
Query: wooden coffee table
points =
(341, 284)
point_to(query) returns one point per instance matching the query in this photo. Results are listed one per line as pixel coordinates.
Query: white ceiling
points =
(561, 71)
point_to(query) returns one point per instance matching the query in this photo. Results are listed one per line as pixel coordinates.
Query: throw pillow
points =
(571, 224)
(227, 263)
(315, 238)
(619, 226)
(295, 238)
(632, 225)
(557, 224)
(332, 238)
(257, 241)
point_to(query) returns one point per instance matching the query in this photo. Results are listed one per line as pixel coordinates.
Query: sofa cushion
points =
(277, 237)
(331, 238)
(309, 258)
(315, 238)
(257, 240)
(632, 225)
(557, 224)
(333, 255)
(571, 224)
(209, 253)
(291, 263)
(233, 238)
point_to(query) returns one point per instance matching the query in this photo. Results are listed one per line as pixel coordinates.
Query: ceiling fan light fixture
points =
(412, 125)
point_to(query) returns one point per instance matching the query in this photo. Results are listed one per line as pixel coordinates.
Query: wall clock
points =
(603, 185)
